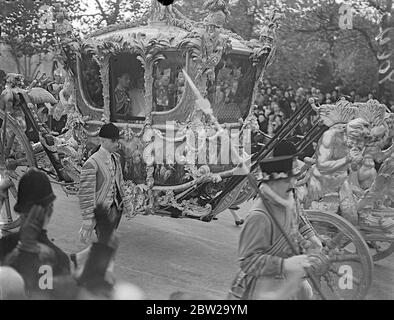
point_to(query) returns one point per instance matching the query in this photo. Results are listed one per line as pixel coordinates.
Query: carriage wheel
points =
(19, 157)
(346, 268)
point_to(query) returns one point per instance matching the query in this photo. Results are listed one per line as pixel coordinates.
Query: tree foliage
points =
(20, 22)
(311, 48)
(95, 14)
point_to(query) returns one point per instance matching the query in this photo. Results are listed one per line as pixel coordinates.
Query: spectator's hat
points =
(34, 189)
(109, 131)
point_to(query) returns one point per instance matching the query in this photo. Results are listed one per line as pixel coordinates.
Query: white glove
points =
(85, 233)
(296, 264)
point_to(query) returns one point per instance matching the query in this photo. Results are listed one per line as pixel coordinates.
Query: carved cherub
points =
(333, 160)
(15, 80)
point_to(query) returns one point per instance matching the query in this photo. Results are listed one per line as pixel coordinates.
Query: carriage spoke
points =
(338, 238)
(7, 217)
(329, 280)
(8, 208)
(345, 258)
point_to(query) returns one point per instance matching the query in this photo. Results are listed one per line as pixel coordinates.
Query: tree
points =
(346, 48)
(22, 32)
(311, 28)
(110, 12)
(311, 47)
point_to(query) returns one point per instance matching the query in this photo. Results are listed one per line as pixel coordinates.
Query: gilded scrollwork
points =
(205, 45)
(104, 75)
(188, 208)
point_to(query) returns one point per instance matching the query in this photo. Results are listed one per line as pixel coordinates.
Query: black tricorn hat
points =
(281, 165)
(34, 188)
(109, 131)
(277, 168)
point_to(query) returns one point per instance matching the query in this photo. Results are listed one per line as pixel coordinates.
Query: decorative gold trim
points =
(105, 79)
(82, 91)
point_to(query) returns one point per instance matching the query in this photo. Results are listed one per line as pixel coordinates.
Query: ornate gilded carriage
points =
(170, 145)
(185, 143)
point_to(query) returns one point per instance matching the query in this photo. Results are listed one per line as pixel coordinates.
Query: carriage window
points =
(232, 87)
(91, 82)
(168, 83)
(127, 87)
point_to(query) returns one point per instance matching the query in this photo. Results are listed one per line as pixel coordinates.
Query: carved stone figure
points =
(329, 186)
(344, 178)
(374, 152)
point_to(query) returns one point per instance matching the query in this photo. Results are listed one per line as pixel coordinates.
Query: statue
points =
(380, 187)
(329, 186)
(213, 44)
(344, 178)
(365, 176)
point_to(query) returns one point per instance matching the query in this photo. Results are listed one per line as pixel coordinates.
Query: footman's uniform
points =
(101, 182)
(262, 246)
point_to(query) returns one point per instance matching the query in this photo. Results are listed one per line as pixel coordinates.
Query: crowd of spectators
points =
(276, 103)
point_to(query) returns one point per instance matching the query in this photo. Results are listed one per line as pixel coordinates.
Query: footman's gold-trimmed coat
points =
(100, 179)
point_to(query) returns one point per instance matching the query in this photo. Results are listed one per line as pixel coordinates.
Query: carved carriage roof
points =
(206, 43)
(171, 28)
(174, 35)
(170, 23)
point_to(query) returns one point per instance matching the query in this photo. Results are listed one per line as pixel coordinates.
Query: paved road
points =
(163, 255)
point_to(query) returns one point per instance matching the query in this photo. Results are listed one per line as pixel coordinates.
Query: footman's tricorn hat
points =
(282, 164)
(277, 168)
(34, 189)
(109, 131)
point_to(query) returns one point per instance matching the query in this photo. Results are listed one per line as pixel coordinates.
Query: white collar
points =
(105, 152)
(271, 196)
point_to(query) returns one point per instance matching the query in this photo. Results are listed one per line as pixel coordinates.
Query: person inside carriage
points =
(123, 102)
(129, 97)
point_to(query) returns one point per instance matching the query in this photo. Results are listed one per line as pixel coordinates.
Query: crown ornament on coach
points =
(218, 13)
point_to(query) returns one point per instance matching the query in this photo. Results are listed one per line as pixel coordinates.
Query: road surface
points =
(163, 255)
